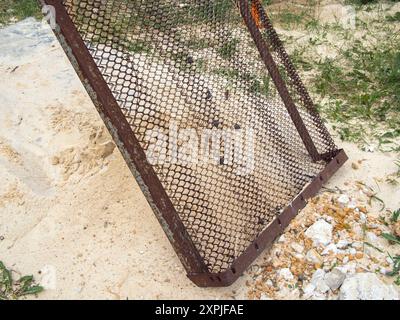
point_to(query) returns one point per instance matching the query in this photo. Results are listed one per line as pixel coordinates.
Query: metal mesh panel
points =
(194, 65)
(310, 116)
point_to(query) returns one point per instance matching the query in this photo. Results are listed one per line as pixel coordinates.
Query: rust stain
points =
(255, 13)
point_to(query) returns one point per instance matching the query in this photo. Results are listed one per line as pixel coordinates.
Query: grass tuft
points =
(14, 290)
(16, 10)
(367, 89)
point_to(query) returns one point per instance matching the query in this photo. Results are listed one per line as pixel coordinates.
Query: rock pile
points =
(333, 249)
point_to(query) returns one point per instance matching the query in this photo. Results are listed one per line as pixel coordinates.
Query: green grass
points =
(396, 269)
(228, 49)
(258, 85)
(295, 17)
(391, 238)
(395, 240)
(16, 10)
(361, 88)
(394, 18)
(290, 19)
(139, 46)
(394, 178)
(395, 216)
(358, 91)
(14, 290)
(361, 2)
(365, 2)
(364, 86)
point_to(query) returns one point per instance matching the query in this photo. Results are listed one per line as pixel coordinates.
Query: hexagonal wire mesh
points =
(215, 66)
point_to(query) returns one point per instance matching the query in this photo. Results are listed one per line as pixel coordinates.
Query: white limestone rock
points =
(342, 244)
(313, 256)
(367, 286)
(282, 239)
(308, 290)
(334, 279)
(318, 280)
(297, 247)
(349, 268)
(286, 274)
(344, 199)
(320, 233)
(265, 297)
(330, 249)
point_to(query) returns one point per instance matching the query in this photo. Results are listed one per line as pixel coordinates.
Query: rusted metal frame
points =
(278, 80)
(150, 184)
(276, 228)
(124, 137)
(309, 104)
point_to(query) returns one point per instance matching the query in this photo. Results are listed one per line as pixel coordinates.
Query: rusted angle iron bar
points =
(278, 80)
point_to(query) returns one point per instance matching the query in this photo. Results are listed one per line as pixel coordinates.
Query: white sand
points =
(69, 205)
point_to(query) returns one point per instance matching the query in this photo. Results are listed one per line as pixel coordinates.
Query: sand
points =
(70, 211)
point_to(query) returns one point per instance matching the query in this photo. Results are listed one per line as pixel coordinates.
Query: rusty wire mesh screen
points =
(193, 64)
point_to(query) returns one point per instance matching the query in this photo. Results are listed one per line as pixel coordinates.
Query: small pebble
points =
(344, 199)
(342, 244)
(359, 255)
(55, 161)
(355, 166)
(297, 247)
(352, 251)
(282, 238)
